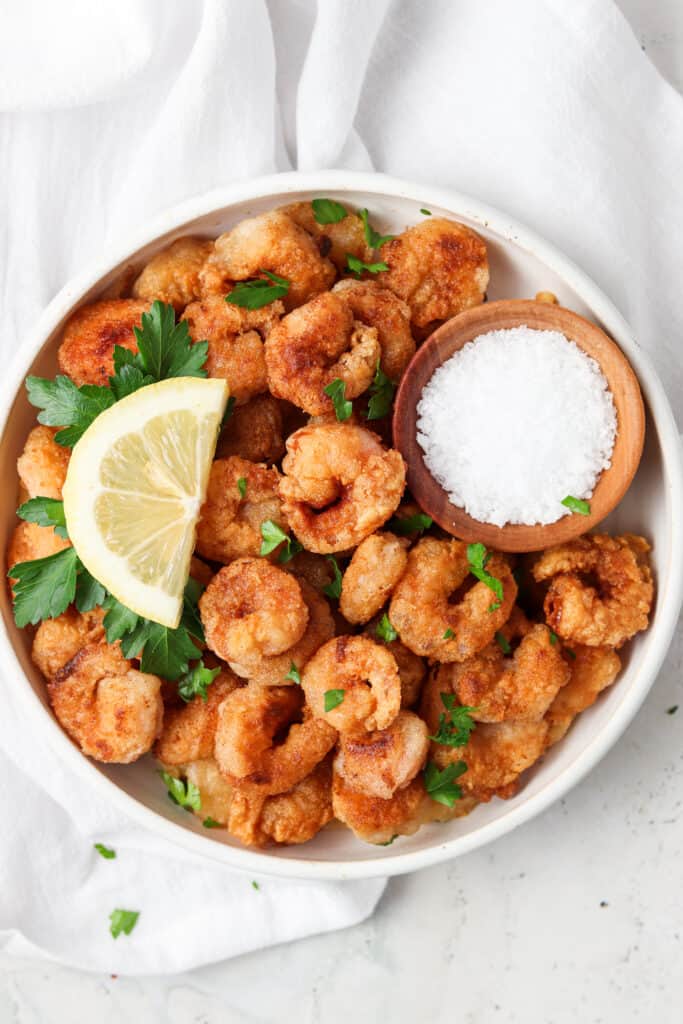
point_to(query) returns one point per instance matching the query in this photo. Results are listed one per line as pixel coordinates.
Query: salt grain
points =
(514, 422)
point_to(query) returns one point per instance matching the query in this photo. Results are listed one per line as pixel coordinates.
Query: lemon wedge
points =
(134, 487)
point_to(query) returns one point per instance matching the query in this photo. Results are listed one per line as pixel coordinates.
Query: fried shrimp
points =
(235, 338)
(251, 610)
(363, 674)
(30, 542)
(593, 669)
(230, 522)
(189, 730)
(112, 711)
(215, 790)
(340, 485)
(59, 640)
(287, 818)
(439, 267)
(411, 667)
(376, 820)
(421, 608)
(273, 242)
(337, 241)
(315, 345)
(378, 763)
(265, 740)
(43, 464)
(375, 568)
(377, 307)
(86, 353)
(254, 432)
(172, 275)
(600, 591)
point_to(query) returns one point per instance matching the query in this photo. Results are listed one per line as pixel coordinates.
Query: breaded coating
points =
(287, 818)
(375, 568)
(337, 241)
(189, 730)
(43, 464)
(59, 640)
(378, 307)
(496, 755)
(172, 276)
(254, 431)
(593, 669)
(379, 763)
(376, 820)
(86, 353)
(230, 522)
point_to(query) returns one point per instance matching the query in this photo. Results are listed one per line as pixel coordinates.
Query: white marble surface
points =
(577, 917)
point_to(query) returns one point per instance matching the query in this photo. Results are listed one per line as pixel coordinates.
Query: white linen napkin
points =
(111, 112)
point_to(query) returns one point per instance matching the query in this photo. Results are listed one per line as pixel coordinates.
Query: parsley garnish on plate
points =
(165, 348)
(294, 674)
(333, 698)
(273, 535)
(185, 794)
(45, 512)
(45, 587)
(478, 557)
(328, 211)
(448, 634)
(242, 486)
(672, 710)
(502, 642)
(385, 631)
(372, 237)
(259, 292)
(426, 212)
(553, 637)
(105, 851)
(336, 390)
(405, 525)
(211, 823)
(123, 921)
(441, 785)
(64, 405)
(333, 589)
(196, 682)
(255, 885)
(357, 266)
(382, 392)
(455, 725)
(578, 505)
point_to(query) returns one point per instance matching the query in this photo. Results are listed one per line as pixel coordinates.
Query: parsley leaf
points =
(255, 885)
(128, 377)
(242, 486)
(385, 631)
(441, 785)
(449, 634)
(374, 240)
(257, 293)
(336, 390)
(553, 637)
(328, 211)
(62, 404)
(333, 698)
(273, 535)
(333, 589)
(382, 395)
(185, 794)
(166, 652)
(123, 921)
(196, 682)
(44, 588)
(357, 266)
(570, 652)
(105, 851)
(578, 505)
(294, 674)
(427, 213)
(478, 557)
(229, 409)
(455, 725)
(502, 642)
(410, 524)
(89, 592)
(164, 346)
(45, 512)
(211, 823)
(672, 710)
(118, 620)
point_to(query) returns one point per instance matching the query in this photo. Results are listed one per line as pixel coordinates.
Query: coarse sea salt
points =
(515, 422)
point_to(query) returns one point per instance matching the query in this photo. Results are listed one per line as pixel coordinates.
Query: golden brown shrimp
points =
(600, 590)
(264, 740)
(172, 276)
(365, 676)
(251, 610)
(315, 345)
(215, 791)
(439, 267)
(593, 669)
(376, 820)
(273, 242)
(378, 307)
(375, 568)
(43, 464)
(340, 485)
(315, 569)
(112, 711)
(254, 432)
(229, 526)
(378, 763)
(189, 730)
(59, 640)
(86, 353)
(235, 338)
(292, 817)
(337, 241)
(411, 667)
(30, 542)
(421, 611)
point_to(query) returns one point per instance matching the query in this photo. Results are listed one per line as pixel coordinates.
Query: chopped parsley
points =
(255, 885)
(441, 785)
(211, 823)
(333, 698)
(336, 390)
(229, 409)
(105, 851)
(478, 557)
(185, 794)
(503, 643)
(357, 266)
(426, 212)
(570, 652)
(672, 710)
(449, 634)
(196, 682)
(553, 637)
(328, 211)
(333, 589)
(273, 535)
(372, 237)
(123, 921)
(385, 631)
(406, 525)
(45, 512)
(259, 292)
(294, 674)
(578, 505)
(455, 725)
(242, 486)
(388, 842)
(382, 392)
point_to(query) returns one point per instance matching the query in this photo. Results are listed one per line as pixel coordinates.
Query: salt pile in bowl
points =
(515, 422)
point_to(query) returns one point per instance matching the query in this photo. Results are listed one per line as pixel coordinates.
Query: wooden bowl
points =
(623, 384)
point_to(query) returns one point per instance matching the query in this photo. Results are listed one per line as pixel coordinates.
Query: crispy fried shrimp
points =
(340, 485)
(377, 307)
(87, 350)
(235, 338)
(374, 570)
(189, 730)
(439, 267)
(421, 608)
(59, 640)
(254, 432)
(43, 464)
(276, 671)
(273, 242)
(30, 541)
(593, 669)
(230, 522)
(264, 739)
(287, 818)
(112, 711)
(336, 241)
(376, 820)
(601, 589)
(215, 790)
(315, 345)
(379, 763)
(411, 667)
(315, 569)
(366, 673)
(251, 610)
(172, 276)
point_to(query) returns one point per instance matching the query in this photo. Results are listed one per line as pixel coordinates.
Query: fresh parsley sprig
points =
(183, 793)
(336, 390)
(333, 589)
(64, 405)
(196, 682)
(259, 292)
(404, 526)
(477, 558)
(382, 392)
(385, 631)
(441, 785)
(357, 266)
(328, 211)
(455, 724)
(45, 512)
(273, 535)
(372, 237)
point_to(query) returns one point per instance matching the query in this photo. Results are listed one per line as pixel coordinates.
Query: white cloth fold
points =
(110, 112)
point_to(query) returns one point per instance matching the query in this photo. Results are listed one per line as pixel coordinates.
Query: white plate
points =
(521, 265)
